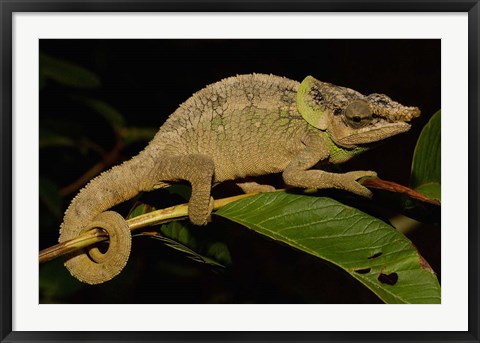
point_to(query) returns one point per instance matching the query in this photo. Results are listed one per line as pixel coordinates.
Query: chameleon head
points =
(93, 266)
(349, 117)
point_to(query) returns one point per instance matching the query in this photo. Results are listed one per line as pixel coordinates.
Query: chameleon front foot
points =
(93, 266)
(348, 181)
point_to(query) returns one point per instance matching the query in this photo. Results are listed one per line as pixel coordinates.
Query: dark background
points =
(146, 80)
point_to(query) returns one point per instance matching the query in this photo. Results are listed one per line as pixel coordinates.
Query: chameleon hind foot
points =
(93, 266)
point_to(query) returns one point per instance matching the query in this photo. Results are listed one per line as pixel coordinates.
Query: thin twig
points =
(397, 188)
(88, 238)
(148, 219)
(181, 211)
(107, 161)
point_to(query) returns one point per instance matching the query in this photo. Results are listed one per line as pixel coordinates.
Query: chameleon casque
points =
(246, 125)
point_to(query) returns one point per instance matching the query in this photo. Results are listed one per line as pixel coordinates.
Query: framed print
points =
(242, 172)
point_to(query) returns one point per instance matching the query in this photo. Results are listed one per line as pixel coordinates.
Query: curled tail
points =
(87, 211)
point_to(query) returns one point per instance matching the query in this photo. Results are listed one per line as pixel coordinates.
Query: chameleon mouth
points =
(374, 132)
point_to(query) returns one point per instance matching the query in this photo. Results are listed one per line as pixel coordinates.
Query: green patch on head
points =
(309, 103)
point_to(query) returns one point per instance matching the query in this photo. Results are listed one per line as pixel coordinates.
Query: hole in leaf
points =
(389, 279)
(378, 254)
(363, 271)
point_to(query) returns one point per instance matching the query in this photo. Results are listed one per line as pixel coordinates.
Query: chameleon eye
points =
(357, 114)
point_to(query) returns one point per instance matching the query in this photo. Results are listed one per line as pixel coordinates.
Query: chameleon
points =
(241, 126)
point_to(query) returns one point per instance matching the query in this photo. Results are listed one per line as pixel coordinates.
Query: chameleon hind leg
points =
(93, 266)
(198, 170)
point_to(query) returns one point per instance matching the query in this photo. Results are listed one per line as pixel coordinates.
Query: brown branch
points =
(390, 186)
(108, 160)
(181, 211)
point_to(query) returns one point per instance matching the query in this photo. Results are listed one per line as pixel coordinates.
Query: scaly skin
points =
(242, 126)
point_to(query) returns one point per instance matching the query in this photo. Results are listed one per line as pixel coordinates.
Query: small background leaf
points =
(184, 237)
(49, 138)
(56, 283)
(136, 134)
(180, 236)
(367, 248)
(67, 73)
(426, 173)
(139, 209)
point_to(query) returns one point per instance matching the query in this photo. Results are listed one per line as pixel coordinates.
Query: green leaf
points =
(56, 283)
(67, 73)
(182, 236)
(427, 159)
(52, 139)
(431, 190)
(368, 249)
(140, 209)
(179, 190)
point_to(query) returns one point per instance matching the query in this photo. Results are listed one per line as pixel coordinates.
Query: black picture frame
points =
(8, 7)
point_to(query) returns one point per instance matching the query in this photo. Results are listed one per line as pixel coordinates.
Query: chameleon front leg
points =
(297, 173)
(198, 170)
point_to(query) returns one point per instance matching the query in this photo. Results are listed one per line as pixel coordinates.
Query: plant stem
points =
(148, 219)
